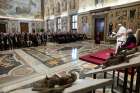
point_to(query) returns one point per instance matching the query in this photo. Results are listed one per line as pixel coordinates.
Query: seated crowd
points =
(66, 37)
(21, 40)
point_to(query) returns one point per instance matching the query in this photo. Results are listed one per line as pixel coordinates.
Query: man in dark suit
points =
(131, 40)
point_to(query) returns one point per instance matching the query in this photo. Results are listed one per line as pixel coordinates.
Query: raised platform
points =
(99, 57)
(133, 62)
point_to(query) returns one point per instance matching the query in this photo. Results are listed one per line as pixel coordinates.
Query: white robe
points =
(121, 37)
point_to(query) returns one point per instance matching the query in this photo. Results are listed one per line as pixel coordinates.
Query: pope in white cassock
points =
(121, 37)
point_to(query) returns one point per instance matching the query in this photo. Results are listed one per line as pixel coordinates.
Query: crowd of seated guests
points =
(21, 40)
(66, 37)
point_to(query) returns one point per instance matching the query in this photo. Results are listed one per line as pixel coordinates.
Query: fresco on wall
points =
(51, 25)
(13, 26)
(72, 4)
(51, 4)
(85, 25)
(64, 24)
(86, 5)
(20, 8)
(99, 3)
(57, 9)
(64, 5)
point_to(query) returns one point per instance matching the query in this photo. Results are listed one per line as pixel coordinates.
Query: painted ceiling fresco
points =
(20, 8)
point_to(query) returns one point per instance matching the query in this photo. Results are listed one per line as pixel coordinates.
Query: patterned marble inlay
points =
(43, 57)
(35, 62)
(22, 71)
(69, 48)
(14, 71)
(7, 63)
(54, 55)
(37, 54)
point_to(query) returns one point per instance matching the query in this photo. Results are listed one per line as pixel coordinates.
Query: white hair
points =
(119, 24)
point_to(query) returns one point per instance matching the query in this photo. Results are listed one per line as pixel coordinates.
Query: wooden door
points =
(24, 27)
(99, 28)
(3, 27)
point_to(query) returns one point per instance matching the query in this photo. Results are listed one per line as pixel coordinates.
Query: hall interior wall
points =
(65, 13)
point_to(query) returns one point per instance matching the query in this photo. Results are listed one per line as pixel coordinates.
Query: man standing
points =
(121, 37)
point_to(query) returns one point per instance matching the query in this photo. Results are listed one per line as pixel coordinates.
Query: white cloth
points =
(121, 34)
(121, 37)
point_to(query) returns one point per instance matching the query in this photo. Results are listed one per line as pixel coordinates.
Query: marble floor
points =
(22, 67)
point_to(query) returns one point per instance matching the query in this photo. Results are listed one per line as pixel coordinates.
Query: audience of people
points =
(66, 37)
(21, 40)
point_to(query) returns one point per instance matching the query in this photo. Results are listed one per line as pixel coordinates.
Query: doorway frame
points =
(24, 23)
(6, 24)
(100, 15)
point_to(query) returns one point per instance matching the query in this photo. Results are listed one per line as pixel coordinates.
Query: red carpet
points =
(103, 54)
(99, 57)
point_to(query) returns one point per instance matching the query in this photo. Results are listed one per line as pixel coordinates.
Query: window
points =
(74, 20)
(58, 23)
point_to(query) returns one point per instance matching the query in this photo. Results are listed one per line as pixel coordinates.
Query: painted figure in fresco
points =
(99, 3)
(64, 5)
(72, 4)
(64, 24)
(51, 7)
(85, 25)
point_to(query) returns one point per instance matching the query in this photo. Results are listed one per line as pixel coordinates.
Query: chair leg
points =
(105, 76)
(138, 81)
(125, 81)
(132, 80)
(118, 77)
(113, 81)
(94, 77)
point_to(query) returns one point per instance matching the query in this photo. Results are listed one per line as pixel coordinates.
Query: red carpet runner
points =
(98, 57)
